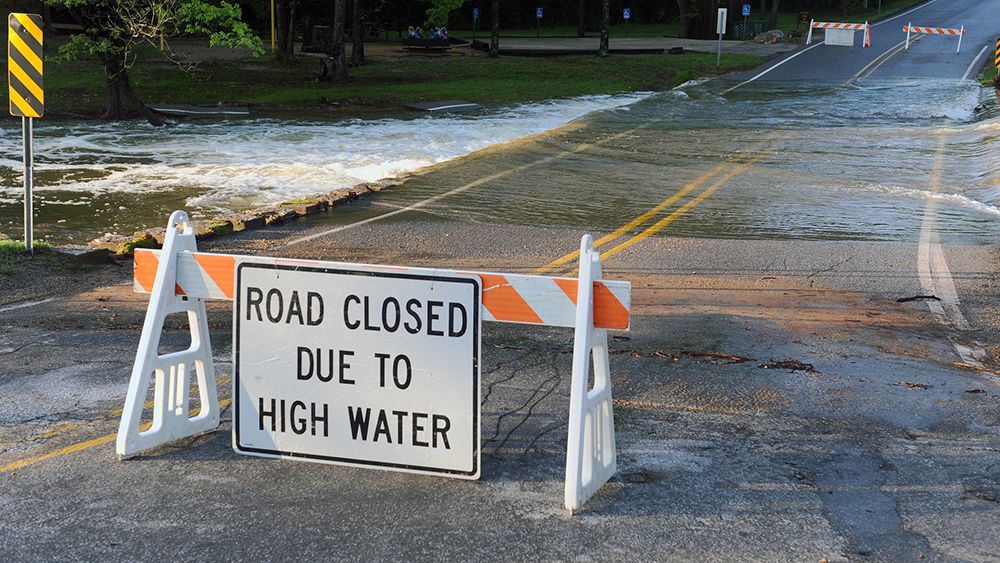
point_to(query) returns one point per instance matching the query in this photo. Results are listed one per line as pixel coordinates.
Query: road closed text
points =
(358, 368)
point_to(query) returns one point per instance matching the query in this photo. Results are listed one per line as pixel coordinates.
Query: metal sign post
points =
(746, 22)
(538, 22)
(27, 95)
(29, 176)
(721, 28)
(626, 15)
(475, 20)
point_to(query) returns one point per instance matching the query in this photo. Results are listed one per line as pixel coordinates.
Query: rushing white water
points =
(239, 164)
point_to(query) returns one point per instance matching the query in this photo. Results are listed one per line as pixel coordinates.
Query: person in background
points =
(418, 33)
(443, 32)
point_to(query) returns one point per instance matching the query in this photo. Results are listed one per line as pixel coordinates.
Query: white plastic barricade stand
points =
(910, 28)
(180, 279)
(590, 452)
(171, 419)
(840, 34)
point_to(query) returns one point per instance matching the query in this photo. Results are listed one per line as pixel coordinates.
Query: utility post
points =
(25, 74)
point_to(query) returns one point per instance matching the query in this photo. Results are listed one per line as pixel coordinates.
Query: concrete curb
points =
(284, 212)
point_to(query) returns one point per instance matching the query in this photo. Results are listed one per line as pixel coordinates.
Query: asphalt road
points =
(785, 392)
(928, 56)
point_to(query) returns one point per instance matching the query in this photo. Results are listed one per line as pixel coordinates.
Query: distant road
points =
(929, 57)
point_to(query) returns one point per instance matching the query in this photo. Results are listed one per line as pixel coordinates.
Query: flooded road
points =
(93, 177)
(767, 161)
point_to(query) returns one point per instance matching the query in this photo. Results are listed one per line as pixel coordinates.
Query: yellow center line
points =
(638, 220)
(681, 211)
(881, 60)
(86, 445)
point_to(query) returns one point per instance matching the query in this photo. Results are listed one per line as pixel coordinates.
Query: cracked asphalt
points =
(812, 372)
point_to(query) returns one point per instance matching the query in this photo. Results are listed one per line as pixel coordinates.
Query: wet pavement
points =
(812, 371)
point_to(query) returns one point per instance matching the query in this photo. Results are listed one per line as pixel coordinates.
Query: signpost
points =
(475, 21)
(538, 21)
(365, 366)
(720, 27)
(804, 19)
(25, 74)
(746, 24)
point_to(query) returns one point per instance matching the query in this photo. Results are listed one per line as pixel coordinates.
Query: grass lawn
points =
(989, 75)
(387, 82)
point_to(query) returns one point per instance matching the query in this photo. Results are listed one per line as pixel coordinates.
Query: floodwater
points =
(92, 177)
(778, 161)
(856, 162)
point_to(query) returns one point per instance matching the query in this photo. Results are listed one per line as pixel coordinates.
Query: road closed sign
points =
(369, 367)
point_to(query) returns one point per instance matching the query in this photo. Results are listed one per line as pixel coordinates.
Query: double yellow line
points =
(880, 60)
(721, 173)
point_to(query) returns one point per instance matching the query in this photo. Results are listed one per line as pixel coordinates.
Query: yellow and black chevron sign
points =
(24, 65)
(998, 53)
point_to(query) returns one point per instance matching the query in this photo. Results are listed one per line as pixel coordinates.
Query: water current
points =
(856, 162)
(94, 177)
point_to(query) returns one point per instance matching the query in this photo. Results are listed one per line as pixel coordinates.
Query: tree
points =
(495, 31)
(772, 22)
(338, 56)
(285, 25)
(112, 29)
(357, 37)
(581, 18)
(605, 22)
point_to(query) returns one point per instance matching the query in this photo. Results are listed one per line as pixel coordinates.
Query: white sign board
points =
(839, 37)
(720, 24)
(369, 367)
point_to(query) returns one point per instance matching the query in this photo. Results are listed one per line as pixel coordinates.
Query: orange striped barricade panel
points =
(835, 36)
(959, 32)
(181, 279)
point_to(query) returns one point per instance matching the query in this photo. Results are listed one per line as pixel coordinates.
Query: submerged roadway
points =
(811, 372)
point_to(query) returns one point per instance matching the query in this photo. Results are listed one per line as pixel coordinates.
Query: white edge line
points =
(974, 61)
(776, 65)
(783, 61)
(897, 16)
(28, 304)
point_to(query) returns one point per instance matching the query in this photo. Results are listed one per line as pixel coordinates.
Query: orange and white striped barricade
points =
(180, 279)
(910, 28)
(833, 33)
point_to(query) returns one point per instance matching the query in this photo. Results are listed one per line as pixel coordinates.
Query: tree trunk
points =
(685, 18)
(118, 90)
(581, 22)
(283, 40)
(495, 30)
(605, 22)
(338, 55)
(357, 37)
(772, 22)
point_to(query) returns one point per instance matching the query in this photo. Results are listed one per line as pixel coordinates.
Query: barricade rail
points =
(813, 24)
(180, 279)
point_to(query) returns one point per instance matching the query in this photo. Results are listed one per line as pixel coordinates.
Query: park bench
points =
(426, 44)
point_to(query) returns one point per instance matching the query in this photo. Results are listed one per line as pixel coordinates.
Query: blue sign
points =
(538, 13)
(626, 13)
(475, 13)
(746, 10)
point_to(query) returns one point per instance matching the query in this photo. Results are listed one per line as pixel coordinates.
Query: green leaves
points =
(222, 23)
(437, 14)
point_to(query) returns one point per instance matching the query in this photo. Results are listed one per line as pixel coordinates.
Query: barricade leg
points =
(171, 418)
(590, 453)
(868, 36)
(809, 36)
(961, 33)
(909, 27)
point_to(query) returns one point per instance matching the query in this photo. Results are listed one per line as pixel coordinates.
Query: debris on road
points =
(791, 365)
(918, 298)
(909, 385)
